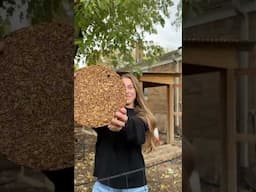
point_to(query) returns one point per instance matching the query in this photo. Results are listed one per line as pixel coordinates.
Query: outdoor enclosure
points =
(211, 120)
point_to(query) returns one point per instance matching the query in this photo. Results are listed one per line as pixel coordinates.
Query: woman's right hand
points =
(119, 120)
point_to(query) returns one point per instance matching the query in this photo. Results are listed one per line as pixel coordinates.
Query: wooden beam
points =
(166, 79)
(231, 155)
(246, 71)
(245, 138)
(177, 85)
(170, 128)
(210, 56)
(149, 84)
(142, 86)
(162, 153)
(223, 124)
(179, 114)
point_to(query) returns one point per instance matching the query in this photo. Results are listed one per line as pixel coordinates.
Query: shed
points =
(219, 57)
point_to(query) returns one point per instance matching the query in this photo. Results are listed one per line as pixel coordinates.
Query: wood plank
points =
(167, 79)
(223, 125)
(170, 128)
(162, 153)
(178, 85)
(245, 138)
(246, 71)
(179, 114)
(231, 155)
(210, 56)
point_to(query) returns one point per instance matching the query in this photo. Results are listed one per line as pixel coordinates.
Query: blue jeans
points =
(99, 187)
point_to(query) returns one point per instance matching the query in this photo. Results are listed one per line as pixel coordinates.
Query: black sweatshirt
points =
(119, 152)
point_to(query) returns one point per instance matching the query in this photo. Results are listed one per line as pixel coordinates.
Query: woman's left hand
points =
(119, 120)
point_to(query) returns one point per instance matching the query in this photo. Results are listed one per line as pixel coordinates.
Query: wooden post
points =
(231, 159)
(142, 86)
(170, 128)
(223, 119)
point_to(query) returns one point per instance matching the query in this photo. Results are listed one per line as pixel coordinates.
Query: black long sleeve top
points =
(119, 152)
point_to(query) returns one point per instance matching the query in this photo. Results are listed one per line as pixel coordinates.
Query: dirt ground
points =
(165, 177)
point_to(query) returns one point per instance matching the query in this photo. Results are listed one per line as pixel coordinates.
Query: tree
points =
(37, 11)
(178, 20)
(105, 29)
(108, 27)
(185, 7)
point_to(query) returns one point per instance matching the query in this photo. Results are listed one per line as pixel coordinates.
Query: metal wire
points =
(130, 172)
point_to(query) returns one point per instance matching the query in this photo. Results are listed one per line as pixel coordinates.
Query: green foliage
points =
(9, 7)
(3, 27)
(188, 8)
(192, 7)
(48, 10)
(178, 15)
(105, 28)
(38, 11)
(42, 10)
(76, 67)
(152, 52)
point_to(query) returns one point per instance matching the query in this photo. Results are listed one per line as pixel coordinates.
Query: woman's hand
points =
(119, 120)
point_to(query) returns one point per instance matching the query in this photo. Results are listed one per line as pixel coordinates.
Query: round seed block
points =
(99, 93)
(36, 83)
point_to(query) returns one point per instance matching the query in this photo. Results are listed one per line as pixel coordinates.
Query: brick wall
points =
(157, 101)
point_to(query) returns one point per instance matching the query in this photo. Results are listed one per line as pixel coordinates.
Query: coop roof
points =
(211, 53)
(219, 41)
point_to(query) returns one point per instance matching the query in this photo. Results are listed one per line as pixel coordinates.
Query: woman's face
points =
(130, 92)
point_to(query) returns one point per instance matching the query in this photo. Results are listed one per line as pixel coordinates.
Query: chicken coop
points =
(218, 109)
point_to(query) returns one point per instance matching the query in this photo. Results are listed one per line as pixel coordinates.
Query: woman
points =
(119, 145)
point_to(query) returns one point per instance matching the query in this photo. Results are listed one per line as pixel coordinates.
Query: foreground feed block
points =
(98, 93)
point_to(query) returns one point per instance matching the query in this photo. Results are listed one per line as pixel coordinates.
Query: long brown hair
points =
(143, 112)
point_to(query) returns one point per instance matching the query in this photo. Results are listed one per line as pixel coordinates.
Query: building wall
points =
(157, 101)
(203, 105)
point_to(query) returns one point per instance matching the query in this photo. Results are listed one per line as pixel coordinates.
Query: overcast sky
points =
(168, 37)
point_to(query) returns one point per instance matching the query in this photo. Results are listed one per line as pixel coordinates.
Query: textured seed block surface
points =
(36, 83)
(99, 93)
